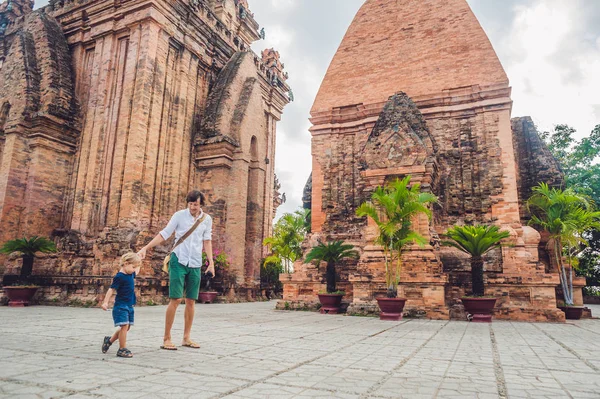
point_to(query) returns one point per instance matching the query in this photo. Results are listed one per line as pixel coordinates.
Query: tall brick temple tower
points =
(111, 110)
(416, 88)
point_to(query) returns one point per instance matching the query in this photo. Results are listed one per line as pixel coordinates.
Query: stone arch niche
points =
(4, 115)
(4, 111)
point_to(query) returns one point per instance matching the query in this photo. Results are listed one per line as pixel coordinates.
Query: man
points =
(185, 263)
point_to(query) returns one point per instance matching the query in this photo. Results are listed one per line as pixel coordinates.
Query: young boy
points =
(123, 284)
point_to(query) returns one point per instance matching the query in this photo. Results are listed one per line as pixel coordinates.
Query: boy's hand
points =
(105, 306)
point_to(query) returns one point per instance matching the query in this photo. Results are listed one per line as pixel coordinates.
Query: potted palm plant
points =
(393, 209)
(566, 216)
(332, 253)
(476, 241)
(21, 294)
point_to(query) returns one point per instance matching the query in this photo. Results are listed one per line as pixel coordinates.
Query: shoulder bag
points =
(165, 267)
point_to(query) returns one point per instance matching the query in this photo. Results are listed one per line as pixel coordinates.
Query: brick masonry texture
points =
(416, 88)
(112, 111)
(390, 36)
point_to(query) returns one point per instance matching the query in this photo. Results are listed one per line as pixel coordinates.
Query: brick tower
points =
(416, 88)
(113, 110)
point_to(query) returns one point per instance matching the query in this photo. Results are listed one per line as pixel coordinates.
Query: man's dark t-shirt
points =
(125, 287)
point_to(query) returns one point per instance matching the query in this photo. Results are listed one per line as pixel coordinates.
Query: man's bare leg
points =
(190, 308)
(169, 319)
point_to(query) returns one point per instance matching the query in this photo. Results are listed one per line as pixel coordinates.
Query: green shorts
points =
(182, 277)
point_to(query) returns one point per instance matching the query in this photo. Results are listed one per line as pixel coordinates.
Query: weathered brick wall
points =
(470, 169)
(39, 129)
(535, 162)
(405, 35)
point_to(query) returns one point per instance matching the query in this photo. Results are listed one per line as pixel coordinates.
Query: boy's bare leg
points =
(115, 336)
(123, 337)
(169, 319)
(190, 307)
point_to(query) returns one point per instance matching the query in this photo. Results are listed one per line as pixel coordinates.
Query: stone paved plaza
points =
(253, 351)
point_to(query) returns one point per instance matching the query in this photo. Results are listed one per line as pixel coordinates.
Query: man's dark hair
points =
(194, 195)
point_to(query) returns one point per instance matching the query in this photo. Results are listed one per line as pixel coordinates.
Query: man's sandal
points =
(168, 346)
(191, 344)
(106, 344)
(124, 352)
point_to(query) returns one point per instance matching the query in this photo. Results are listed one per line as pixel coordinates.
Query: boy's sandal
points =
(106, 344)
(168, 346)
(191, 344)
(124, 352)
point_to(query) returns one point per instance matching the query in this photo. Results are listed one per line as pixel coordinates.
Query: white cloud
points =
(281, 5)
(277, 37)
(293, 166)
(553, 71)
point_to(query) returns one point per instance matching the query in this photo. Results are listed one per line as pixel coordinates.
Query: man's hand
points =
(104, 306)
(142, 253)
(211, 268)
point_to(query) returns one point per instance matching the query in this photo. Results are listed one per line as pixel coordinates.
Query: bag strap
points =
(189, 232)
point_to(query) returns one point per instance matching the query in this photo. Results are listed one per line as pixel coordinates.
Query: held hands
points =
(104, 306)
(142, 253)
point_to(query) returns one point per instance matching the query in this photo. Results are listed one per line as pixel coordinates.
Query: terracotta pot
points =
(330, 303)
(479, 308)
(207, 297)
(20, 296)
(572, 312)
(391, 308)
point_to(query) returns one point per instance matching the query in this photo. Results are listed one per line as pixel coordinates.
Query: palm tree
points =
(332, 253)
(476, 241)
(28, 249)
(286, 242)
(393, 208)
(307, 219)
(566, 216)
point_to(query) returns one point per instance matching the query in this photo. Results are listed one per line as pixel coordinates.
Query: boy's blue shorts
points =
(122, 315)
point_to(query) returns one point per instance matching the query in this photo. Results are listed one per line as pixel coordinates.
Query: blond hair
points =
(130, 257)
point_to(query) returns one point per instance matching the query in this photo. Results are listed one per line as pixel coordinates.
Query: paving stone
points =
(130, 389)
(24, 391)
(316, 394)
(577, 382)
(483, 386)
(266, 391)
(398, 386)
(356, 381)
(307, 375)
(448, 393)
